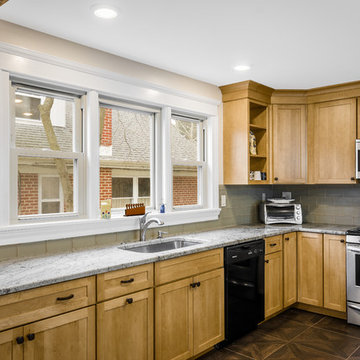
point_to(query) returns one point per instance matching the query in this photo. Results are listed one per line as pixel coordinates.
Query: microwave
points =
(271, 213)
(357, 156)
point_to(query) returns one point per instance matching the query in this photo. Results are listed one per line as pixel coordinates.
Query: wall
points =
(34, 40)
(185, 190)
(29, 194)
(329, 204)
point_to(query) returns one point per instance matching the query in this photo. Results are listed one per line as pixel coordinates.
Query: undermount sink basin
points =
(154, 247)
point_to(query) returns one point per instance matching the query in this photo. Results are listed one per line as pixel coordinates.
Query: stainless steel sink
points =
(164, 245)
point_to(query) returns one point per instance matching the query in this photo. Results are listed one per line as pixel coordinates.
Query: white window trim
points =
(37, 67)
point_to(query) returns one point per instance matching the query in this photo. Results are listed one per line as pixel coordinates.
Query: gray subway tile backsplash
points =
(332, 204)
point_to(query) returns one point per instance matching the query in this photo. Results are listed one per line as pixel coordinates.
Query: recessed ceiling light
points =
(242, 67)
(18, 101)
(104, 11)
(27, 114)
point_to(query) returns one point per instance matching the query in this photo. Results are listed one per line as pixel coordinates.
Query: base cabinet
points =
(125, 327)
(189, 315)
(209, 326)
(290, 268)
(69, 336)
(335, 272)
(10, 349)
(310, 268)
(273, 283)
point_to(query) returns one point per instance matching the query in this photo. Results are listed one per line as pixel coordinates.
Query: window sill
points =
(34, 232)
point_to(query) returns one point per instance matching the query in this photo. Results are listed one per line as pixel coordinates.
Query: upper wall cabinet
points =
(246, 110)
(289, 144)
(310, 140)
(331, 139)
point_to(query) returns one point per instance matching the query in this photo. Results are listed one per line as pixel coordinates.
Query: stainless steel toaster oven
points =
(271, 213)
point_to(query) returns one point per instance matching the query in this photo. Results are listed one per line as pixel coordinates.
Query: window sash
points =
(201, 164)
(76, 155)
(154, 163)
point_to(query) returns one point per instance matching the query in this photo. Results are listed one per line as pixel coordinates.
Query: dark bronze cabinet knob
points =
(276, 178)
(20, 340)
(30, 337)
(129, 300)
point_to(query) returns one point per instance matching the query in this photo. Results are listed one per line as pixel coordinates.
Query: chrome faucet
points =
(145, 224)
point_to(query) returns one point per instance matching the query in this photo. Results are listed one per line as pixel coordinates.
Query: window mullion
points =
(167, 185)
(5, 166)
(92, 138)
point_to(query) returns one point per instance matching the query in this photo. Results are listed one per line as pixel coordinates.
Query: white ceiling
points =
(288, 43)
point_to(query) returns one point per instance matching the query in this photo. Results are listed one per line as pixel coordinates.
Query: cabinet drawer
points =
(35, 304)
(185, 266)
(273, 244)
(125, 281)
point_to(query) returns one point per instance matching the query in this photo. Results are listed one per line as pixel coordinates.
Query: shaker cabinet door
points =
(289, 144)
(333, 131)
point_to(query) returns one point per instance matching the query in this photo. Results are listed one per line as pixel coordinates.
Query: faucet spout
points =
(145, 224)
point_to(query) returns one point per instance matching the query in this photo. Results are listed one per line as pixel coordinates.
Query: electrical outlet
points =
(223, 200)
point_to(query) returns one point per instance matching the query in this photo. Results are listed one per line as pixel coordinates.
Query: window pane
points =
(185, 140)
(51, 207)
(185, 185)
(144, 187)
(125, 152)
(122, 187)
(43, 122)
(50, 187)
(31, 190)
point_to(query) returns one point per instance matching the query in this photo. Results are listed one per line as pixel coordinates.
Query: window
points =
(126, 154)
(130, 191)
(188, 161)
(50, 195)
(48, 156)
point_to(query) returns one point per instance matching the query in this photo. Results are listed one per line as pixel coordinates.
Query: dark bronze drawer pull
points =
(65, 298)
(198, 284)
(193, 285)
(267, 261)
(287, 238)
(272, 245)
(342, 240)
(129, 300)
(127, 281)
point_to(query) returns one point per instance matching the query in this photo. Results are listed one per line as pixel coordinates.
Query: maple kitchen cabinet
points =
(125, 327)
(50, 323)
(245, 109)
(310, 268)
(273, 275)
(332, 135)
(335, 272)
(290, 268)
(289, 144)
(125, 314)
(189, 312)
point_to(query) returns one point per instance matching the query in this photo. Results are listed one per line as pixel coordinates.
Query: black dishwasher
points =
(244, 288)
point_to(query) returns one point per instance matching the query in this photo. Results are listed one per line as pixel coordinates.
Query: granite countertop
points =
(22, 274)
